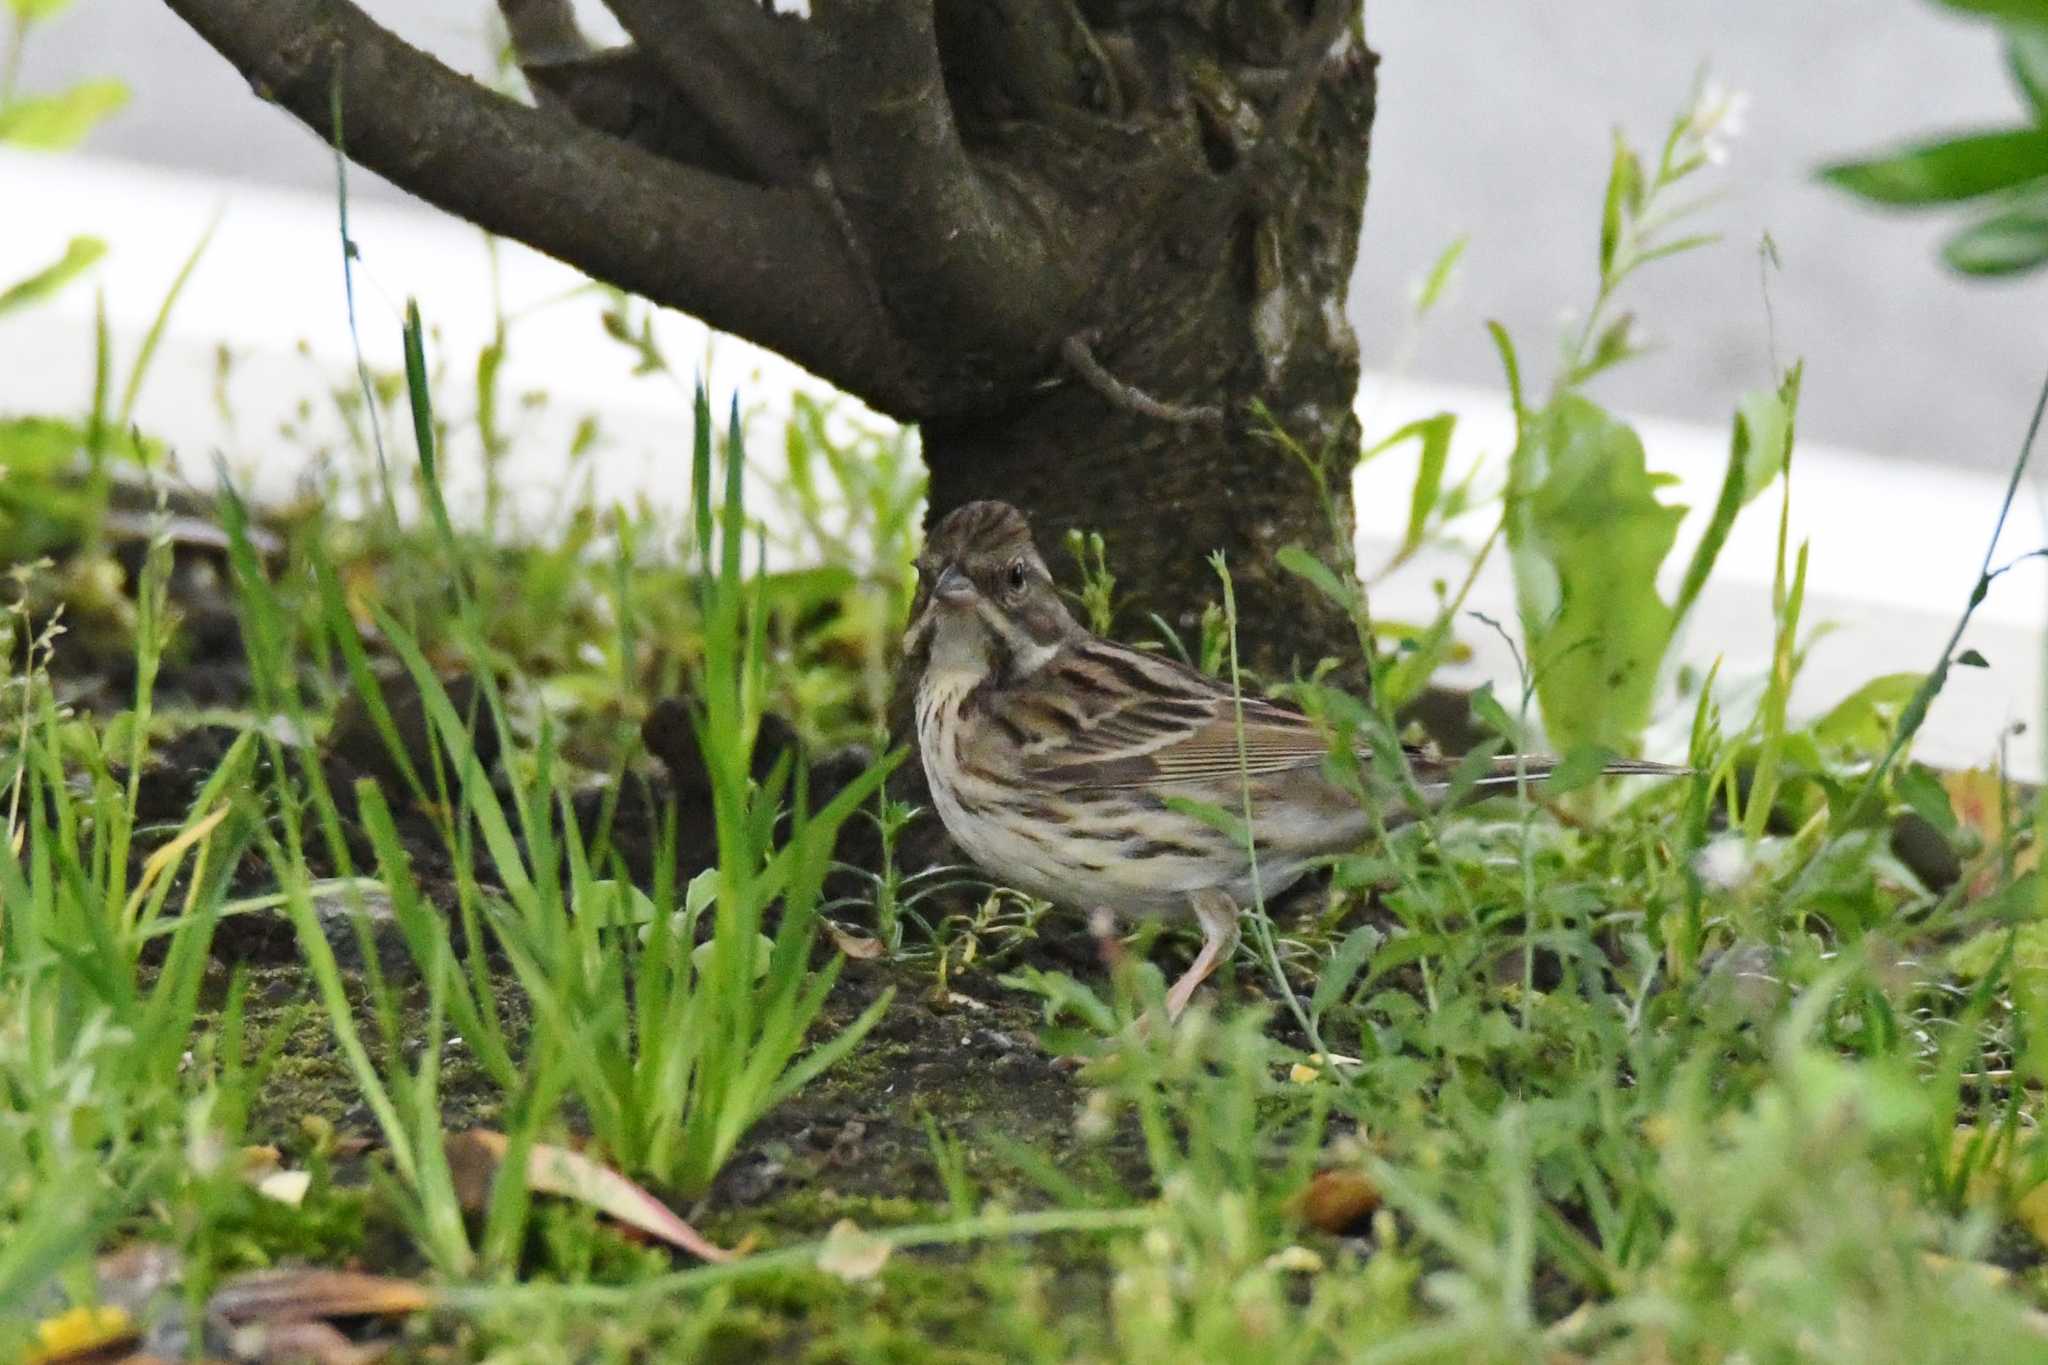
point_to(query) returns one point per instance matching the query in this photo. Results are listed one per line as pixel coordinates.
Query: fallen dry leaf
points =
(1304, 1073)
(302, 1295)
(128, 1284)
(1337, 1201)
(859, 947)
(80, 1334)
(286, 1187)
(851, 1254)
(297, 1343)
(476, 1155)
(1983, 801)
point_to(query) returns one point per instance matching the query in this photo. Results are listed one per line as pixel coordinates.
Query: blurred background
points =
(1495, 125)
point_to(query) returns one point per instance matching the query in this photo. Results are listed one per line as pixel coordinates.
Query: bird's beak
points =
(954, 588)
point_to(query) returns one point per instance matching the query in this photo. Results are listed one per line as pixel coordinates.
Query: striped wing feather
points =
(1102, 717)
(1149, 722)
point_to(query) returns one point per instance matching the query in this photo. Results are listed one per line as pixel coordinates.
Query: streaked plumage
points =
(1051, 753)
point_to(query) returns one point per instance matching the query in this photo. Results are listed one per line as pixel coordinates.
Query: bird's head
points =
(986, 604)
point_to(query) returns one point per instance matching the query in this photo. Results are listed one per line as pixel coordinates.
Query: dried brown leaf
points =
(851, 1254)
(557, 1170)
(278, 1296)
(859, 947)
(1337, 1201)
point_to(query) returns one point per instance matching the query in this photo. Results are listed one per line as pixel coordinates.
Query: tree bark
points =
(1234, 305)
(1099, 249)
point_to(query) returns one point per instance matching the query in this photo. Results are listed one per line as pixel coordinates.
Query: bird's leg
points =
(1102, 927)
(1217, 914)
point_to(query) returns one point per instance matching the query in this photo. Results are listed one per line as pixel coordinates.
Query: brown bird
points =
(1052, 753)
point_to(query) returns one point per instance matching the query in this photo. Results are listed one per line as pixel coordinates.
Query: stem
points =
(488, 1298)
(1262, 925)
(348, 288)
(1915, 713)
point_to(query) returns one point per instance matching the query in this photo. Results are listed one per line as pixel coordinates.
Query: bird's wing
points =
(1101, 716)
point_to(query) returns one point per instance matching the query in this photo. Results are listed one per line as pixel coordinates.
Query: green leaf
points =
(1922, 790)
(2025, 11)
(1970, 658)
(1623, 198)
(1586, 536)
(613, 904)
(38, 446)
(2026, 57)
(1614, 345)
(1512, 367)
(1944, 172)
(29, 11)
(78, 257)
(1976, 957)
(1476, 763)
(1342, 969)
(1758, 451)
(1579, 767)
(1430, 291)
(764, 953)
(1862, 721)
(2006, 243)
(1434, 434)
(1302, 564)
(1487, 710)
(55, 123)
(1227, 823)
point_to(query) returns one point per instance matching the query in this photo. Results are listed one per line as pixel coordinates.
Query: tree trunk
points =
(1164, 497)
(1231, 305)
(1099, 249)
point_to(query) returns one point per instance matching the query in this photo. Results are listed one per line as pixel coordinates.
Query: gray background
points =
(1494, 122)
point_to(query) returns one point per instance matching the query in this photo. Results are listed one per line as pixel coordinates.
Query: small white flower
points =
(1717, 119)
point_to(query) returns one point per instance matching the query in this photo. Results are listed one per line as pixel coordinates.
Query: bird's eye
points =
(1016, 578)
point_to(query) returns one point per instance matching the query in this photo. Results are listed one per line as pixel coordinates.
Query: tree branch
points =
(746, 72)
(762, 264)
(543, 30)
(967, 265)
(621, 93)
(1028, 59)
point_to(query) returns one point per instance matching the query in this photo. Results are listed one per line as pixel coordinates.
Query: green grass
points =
(1699, 1070)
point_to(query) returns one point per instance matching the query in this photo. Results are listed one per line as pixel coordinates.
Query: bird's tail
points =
(1511, 769)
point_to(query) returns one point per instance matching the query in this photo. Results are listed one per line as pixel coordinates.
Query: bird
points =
(1053, 754)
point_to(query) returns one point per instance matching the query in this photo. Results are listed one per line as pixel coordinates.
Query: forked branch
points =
(620, 92)
(745, 72)
(763, 264)
(543, 30)
(974, 266)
